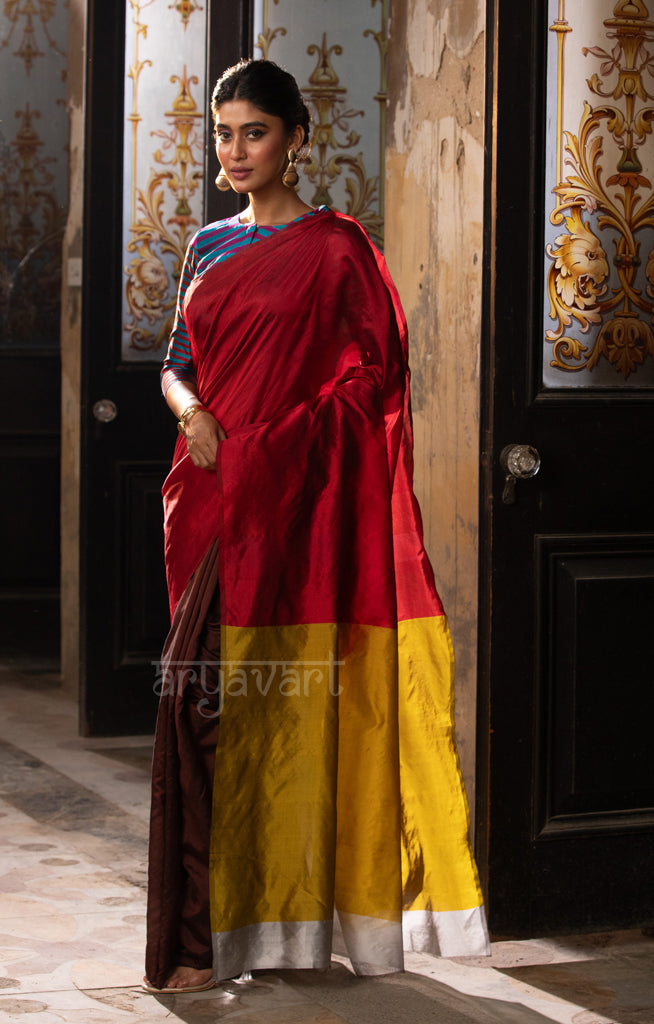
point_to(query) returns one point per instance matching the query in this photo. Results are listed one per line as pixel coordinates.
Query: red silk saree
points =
(339, 816)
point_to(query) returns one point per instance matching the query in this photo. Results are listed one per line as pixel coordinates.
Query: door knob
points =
(519, 462)
(105, 410)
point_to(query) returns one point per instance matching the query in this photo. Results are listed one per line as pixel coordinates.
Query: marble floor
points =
(73, 836)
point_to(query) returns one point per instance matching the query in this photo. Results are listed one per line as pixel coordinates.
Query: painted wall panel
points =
(33, 169)
(599, 196)
(337, 51)
(165, 120)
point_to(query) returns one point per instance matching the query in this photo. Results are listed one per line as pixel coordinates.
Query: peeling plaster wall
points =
(71, 341)
(434, 207)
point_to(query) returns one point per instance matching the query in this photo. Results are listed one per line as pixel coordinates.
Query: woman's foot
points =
(188, 977)
(184, 979)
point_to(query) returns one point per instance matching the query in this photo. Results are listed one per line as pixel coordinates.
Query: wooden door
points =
(33, 200)
(128, 431)
(567, 603)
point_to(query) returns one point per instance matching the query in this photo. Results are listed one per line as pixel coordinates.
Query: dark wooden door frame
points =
(513, 189)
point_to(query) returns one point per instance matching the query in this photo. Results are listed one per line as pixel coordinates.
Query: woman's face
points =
(252, 146)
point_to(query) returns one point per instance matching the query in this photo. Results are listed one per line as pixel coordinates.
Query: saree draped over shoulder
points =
(339, 816)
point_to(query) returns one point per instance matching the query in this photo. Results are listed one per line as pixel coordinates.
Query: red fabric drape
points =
(299, 344)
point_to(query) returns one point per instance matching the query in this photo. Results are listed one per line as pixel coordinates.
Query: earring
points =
(222, 182)
(290, 176)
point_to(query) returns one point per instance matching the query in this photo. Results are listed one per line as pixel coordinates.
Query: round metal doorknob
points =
(105, 410)
(520, 460)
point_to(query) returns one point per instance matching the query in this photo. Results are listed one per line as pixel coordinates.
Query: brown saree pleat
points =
(178, 924)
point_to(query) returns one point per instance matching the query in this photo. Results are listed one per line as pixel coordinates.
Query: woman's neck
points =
(275, 209)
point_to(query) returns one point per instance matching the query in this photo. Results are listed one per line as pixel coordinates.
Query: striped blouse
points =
(210, 245)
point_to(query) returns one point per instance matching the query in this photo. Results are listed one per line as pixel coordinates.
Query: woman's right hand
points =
(203, 434)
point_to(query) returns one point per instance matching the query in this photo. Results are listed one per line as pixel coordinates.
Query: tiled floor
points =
(73, 837)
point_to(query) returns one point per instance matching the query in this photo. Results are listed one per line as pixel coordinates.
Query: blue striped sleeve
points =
(178, 364)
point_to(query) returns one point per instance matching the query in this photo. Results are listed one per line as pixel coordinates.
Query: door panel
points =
(125, 459)
(33, 205)
(29, 513)
(568, 597)
(596, 678)
(143, 606)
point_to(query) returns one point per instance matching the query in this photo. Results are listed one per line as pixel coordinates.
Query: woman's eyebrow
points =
(248, 124)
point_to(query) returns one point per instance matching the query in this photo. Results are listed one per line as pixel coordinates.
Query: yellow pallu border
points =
(338, 787)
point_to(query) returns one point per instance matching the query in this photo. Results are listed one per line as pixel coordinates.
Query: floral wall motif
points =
(33, 169)
(337, 50)
(163, 163)
(599, 255)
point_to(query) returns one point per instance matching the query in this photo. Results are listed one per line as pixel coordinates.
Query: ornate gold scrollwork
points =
(185, 9)
(149, 300)
(148, 284)
(332, 134)
(27, 186)
(381, 39)
(31, 226)
(268, 34)
(578, 280)
(327, 98)
(28, 48)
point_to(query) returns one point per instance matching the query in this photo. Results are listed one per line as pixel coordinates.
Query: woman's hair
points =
(266, 86)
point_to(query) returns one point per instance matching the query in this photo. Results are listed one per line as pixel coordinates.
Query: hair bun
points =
(267, 86)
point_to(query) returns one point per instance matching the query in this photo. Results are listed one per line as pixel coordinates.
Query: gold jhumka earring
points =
(290, 175)
(222, 182)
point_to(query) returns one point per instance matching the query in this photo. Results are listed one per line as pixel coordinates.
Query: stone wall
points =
(434, 210)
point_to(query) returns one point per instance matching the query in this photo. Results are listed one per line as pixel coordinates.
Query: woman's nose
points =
(238, 149)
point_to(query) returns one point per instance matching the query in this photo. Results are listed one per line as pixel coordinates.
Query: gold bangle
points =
(187, 415)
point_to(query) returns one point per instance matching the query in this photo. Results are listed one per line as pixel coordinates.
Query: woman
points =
(306, 784)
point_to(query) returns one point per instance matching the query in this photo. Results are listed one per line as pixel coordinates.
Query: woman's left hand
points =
(203, 435)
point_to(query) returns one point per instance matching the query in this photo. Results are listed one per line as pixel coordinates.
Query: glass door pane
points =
(598, 197)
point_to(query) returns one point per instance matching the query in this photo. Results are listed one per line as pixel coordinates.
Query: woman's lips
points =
(240, 172)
